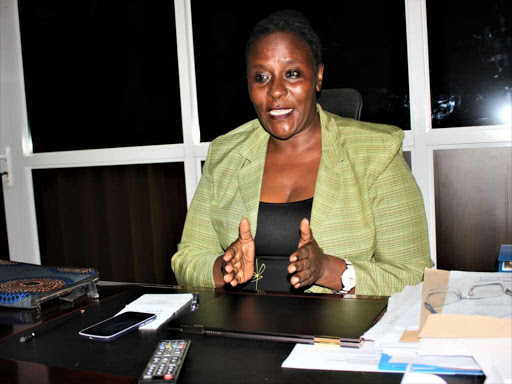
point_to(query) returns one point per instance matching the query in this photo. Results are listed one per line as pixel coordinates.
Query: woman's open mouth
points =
(280, 113)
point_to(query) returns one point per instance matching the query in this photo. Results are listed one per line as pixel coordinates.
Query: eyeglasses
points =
(440, 297)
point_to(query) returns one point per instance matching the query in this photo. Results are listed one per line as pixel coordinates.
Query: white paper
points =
(421, 378)
(328, 357)
(403, 312)
(164, 306)
(494, 357)
(402, 349)
(443, 347)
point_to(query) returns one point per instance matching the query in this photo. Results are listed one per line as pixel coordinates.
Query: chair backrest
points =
(344, 102)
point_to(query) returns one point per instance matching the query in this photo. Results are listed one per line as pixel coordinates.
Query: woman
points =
(301, 198)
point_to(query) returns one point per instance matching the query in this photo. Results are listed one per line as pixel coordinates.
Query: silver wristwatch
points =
(348, 278)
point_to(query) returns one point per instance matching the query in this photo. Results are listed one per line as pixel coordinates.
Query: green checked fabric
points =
(367, 207)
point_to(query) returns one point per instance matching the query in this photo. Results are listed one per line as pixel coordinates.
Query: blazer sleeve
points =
(199, 246)
(402, 246)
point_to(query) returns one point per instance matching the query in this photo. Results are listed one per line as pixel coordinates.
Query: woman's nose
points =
(277, 89)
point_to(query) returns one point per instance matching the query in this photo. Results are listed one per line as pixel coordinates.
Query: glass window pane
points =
(364, 47)
(473, 191)
(470, 52)
(100, 74)
(124, 221)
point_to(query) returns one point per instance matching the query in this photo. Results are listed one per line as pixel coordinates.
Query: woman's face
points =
(282, 83)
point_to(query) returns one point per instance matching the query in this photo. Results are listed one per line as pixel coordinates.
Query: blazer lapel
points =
(250, 175)
(328, 182)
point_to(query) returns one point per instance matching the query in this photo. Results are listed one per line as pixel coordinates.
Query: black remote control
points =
(166, 362)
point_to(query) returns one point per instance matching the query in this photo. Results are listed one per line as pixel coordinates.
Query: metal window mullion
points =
(19, 201)
(167, 153)
(419, 89)
(188, 94)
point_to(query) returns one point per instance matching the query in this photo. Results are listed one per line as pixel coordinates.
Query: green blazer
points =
(367, 206)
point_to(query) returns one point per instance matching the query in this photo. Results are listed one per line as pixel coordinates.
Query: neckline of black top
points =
(288, 203)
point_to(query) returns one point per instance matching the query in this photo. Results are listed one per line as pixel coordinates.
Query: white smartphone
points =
(116, 326)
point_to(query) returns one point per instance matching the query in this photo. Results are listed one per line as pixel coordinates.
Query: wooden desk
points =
(59, 355)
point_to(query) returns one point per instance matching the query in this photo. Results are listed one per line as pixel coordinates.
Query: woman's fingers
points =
(299, 260)
(302, 279)
(233, 267)
(228, 277)
(306, 261)
(228, 268)
(299, 265)
(228, 255)
(234, 278)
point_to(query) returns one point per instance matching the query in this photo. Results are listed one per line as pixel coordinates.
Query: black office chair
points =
(344, 102)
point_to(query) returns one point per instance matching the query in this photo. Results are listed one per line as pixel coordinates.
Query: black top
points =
(278, 231)
(277, 237)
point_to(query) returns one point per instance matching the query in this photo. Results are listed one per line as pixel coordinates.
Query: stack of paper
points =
(403, 310)
(396, 335)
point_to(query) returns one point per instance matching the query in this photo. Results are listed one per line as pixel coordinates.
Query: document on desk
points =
(165, 306)
(370, 359)
(492, 355)
(329, 357)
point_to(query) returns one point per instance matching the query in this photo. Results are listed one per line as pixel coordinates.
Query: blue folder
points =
(386, 365)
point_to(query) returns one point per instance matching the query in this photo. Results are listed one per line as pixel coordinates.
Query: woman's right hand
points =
(238, 260)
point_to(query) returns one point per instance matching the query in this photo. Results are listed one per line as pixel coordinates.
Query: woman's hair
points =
(287, 21)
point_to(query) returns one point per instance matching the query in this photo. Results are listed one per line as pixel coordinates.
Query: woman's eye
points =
(260, 78)
(293, 74)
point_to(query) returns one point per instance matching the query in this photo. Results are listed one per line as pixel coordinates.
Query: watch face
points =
(348, 278)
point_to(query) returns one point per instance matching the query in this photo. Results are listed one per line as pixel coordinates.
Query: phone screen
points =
(117, 325)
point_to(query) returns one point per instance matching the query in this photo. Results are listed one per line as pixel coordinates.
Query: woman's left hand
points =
(308, 262)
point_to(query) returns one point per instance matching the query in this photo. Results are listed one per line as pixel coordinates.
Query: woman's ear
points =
(319, 77)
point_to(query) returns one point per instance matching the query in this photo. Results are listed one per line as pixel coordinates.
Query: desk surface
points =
(59, 355)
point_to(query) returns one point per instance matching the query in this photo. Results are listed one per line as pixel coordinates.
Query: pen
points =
(195, 302)
(31, 335)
